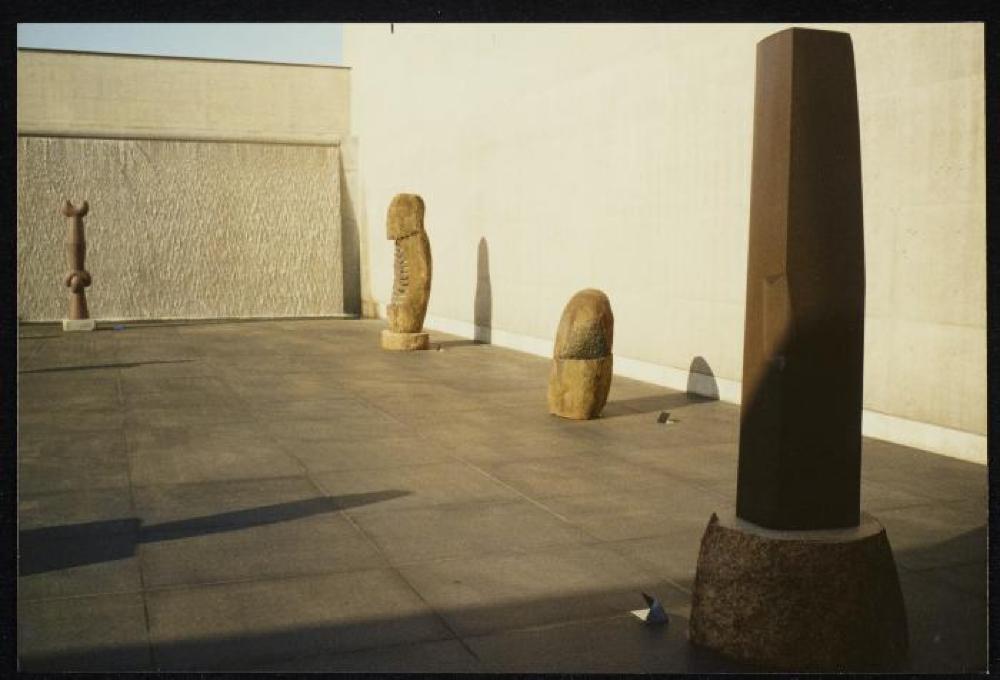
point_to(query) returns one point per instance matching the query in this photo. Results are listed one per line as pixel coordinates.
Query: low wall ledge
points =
(182, 136)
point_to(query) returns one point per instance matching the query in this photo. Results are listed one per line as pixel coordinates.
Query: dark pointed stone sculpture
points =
(799, 578)
(411, 287)
(78, 278)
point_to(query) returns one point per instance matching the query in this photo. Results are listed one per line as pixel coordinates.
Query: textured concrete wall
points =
(85, 93)
(180, 226)
(618, 157)
(182, 229)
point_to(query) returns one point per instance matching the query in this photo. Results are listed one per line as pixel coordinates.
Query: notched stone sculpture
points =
(411, 286)
(582, 361)
(799, 579)
(78, 278)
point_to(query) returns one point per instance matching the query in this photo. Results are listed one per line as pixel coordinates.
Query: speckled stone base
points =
(824, 600)
(404, 341)
(79, 324)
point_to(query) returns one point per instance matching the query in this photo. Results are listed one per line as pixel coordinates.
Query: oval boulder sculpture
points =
(582, 363)
(411, 287)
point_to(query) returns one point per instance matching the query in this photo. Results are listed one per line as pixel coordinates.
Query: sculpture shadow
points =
(968, 547)
(482, 313)
(73, 545)
(60, 369)
(659, 402)
(701, 380)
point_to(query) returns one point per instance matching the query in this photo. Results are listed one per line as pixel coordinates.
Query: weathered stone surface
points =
(803, 350)
(412, 270)
(578, 388)
(581, 372)
(78, 278)
(404, 341)
(822, 600)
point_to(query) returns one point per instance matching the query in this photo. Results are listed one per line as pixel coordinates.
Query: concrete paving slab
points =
(465, 530)
(651, 511)
(936, 534)
(935, 477)
(74, 561)
(99, 634)
(205, 453)
(34, 424)
(214, 507)
(947, 627)
(245, 625)
(485, 452)
(51, 391)
(267, 391)
(64, 461)
(311, 544)
(575, 475)
(236, 502)
(426, 485)
(674, 555)
(619, 644)
(488, 594)
(79, 506)
(442, 656)
(338, 454)
(347, 421)
(135, 388)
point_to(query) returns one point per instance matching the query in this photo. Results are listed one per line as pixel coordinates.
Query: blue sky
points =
(301, 43)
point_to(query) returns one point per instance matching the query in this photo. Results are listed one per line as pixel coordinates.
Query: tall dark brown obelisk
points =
(799, 579)
(803, 348)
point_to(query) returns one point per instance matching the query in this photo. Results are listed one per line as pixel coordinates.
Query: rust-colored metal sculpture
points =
(799, 579)
(78, 278)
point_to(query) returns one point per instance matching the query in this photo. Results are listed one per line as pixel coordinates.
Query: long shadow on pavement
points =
(60, 369)
(73, 545)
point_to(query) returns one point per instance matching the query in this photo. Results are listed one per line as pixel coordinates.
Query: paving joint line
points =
(399, 574)
(133, 508)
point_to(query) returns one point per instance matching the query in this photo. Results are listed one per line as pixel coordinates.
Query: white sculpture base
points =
(79, 324)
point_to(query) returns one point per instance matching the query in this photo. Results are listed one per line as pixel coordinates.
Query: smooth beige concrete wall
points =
(618, 157)
(88, 93)
(181, 229)
(215, 186)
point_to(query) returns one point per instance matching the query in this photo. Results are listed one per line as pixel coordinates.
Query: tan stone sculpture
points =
(78, 278)
(411, 288)
(582, 362)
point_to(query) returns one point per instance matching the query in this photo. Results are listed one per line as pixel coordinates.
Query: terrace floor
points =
(284, 495)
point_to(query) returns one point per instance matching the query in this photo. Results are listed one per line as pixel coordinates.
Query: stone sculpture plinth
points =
(800, 581)
(581, 372)
(824, 600)
(411, 288)
(78, 278)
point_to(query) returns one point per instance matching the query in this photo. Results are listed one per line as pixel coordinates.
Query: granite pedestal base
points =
(826, 600)
(404, 341)
(578, 388)
(79, 324)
